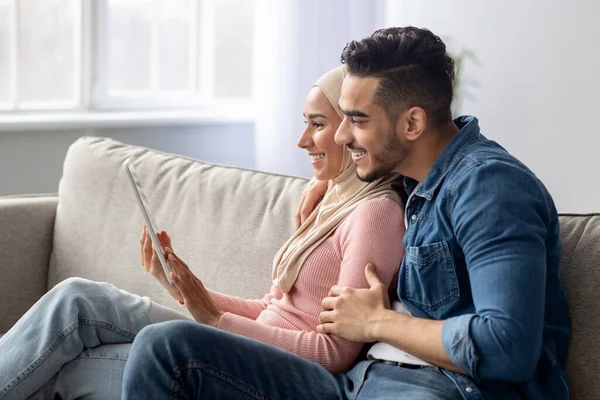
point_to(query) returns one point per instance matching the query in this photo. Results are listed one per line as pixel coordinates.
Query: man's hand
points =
(195, 296)
(355, 313)
(311, 196)
(364, 315)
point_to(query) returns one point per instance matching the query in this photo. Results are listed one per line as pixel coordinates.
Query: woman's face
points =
(317, 138)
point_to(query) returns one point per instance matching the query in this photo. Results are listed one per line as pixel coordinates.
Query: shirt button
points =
(469, 389)
(414, 217)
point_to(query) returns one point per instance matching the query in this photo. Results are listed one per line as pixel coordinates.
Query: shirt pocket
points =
(430, 278)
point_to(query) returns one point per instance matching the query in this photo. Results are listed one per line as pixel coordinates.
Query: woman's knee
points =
(74, 287)
(75, 283)
(79, 292)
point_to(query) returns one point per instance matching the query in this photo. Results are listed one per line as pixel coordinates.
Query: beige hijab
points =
(337, 204)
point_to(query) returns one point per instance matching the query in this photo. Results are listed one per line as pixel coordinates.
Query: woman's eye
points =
(317, 125)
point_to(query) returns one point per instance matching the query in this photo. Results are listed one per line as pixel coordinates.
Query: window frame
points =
(91, 98)
(200, 94)
(13, 105)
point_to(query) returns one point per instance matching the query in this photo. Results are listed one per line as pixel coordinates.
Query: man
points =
(480, 304)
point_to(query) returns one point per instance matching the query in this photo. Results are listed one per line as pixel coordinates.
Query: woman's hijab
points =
(337, 204)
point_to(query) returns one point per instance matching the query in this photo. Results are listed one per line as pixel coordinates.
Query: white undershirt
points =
(384, 351)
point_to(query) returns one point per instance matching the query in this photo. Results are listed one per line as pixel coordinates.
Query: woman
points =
(50, 348)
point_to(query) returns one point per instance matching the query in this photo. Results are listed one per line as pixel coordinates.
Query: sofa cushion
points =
(226, 223)
(580, 274)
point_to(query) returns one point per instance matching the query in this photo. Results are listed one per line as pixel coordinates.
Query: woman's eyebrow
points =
(316, 115)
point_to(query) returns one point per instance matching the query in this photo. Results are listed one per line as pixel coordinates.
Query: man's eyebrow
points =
(353, 113)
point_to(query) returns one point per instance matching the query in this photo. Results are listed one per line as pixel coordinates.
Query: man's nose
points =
(342, 135)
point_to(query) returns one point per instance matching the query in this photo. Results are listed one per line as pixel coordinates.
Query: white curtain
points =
(295, 42)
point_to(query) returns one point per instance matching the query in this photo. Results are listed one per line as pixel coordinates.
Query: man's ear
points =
(415, 123)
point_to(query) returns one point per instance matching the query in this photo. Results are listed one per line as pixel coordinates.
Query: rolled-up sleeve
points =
(458, 344)
(501, 217)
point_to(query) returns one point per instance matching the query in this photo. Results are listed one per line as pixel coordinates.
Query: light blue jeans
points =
(74, 342)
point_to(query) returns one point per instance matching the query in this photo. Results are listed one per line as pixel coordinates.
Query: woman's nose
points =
(305, 140)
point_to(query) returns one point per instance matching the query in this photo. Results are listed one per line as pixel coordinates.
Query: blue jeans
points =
(186, 360)
(73, 343)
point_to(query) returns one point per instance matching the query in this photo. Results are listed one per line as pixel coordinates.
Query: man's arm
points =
(420, 337)
(500, 219)
(363, 315)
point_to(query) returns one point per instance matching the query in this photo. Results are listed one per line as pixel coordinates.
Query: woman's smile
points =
(316, 158)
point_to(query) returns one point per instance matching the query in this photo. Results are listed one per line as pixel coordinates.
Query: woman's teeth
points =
(317, 157)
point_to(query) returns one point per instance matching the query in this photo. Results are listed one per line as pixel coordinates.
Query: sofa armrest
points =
(26, 230)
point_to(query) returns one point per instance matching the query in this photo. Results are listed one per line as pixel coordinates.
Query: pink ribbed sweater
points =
(371, 233)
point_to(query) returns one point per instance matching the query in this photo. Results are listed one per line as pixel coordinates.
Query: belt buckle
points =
(410, 366)
(398, 364)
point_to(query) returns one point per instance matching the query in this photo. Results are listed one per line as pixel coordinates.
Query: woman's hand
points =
(149, 260)
(195, 296)
(312, 194)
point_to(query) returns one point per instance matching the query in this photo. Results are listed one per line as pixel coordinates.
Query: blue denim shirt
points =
(482, 254)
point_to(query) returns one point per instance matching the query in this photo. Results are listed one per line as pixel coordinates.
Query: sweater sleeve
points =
(373, 234)
(244, 307)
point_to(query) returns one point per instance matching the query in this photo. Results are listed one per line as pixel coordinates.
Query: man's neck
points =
(425, 153)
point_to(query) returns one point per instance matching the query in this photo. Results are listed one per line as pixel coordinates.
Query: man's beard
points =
(392, 155)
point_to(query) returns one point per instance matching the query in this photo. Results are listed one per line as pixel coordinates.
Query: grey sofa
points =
(227, 223)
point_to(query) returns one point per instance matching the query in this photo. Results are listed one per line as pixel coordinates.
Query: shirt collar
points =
(468, 132)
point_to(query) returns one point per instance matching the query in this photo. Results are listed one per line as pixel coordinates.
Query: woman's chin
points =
(323, 175)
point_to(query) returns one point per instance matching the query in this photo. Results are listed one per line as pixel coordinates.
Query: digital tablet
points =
(143, 205)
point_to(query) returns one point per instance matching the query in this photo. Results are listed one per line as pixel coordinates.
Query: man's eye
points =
(355, 121)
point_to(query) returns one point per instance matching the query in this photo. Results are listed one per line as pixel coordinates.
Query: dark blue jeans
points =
(187, 360)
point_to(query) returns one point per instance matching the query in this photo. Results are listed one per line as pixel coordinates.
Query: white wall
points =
(31, 162)
(538, 78)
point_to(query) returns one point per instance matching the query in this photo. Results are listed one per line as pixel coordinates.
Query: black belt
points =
(396, 364)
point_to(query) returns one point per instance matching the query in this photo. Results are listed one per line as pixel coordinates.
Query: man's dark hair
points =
(413, 70)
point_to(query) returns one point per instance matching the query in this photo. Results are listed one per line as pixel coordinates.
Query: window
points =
(40, 44)
(124, 54)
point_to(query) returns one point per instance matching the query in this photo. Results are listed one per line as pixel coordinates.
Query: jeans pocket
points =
(430, 278)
